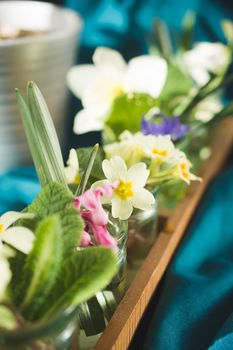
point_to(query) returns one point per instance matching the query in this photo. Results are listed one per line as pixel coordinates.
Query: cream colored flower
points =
(72, 169)
(130, 148)
(129, 191)
(207, 108)
(160, 148)
(5, 271)
(98, 84)
(183, 167)
(18, 237)
(206, 58)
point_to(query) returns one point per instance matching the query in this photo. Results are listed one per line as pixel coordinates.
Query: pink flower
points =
(95, 217)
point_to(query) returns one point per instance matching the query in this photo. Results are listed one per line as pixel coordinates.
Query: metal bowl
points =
(44, 54)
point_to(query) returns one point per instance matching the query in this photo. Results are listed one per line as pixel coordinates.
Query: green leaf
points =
(83, 275)
(227, 27)
(83, 157)
(128, 110)
(177, 85)
(46, 133)
(57, 199)
(33, 141)
(17, 263)
(161, 37)
(41, 267)
(87, 171)
(188, 26)
(52, 199)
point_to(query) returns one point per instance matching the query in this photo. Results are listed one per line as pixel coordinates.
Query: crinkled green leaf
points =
(56, 198)
(41, 267)
(128, 110)
(83, 274)
(52, 199)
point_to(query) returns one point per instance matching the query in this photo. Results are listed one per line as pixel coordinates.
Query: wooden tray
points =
(121, 328)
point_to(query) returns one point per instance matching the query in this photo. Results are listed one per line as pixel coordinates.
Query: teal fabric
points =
(195, 308)
(18, 188)
(126, 24)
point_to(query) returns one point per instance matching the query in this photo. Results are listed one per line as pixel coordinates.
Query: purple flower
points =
(162, 125)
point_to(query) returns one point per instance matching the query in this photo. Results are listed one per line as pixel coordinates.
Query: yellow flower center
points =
(1, 228)
(124, 190)
(159, 152)
(184, 170)
(77, 179)
(114, 92)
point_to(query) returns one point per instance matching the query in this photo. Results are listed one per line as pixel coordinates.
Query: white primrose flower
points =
(98, 84)
(182, 169)
(18, 237)
(131, 147)
(160, 148)
(134, 147)
(5, 271)
(129, 191)
(72, 169)
(206, 58)
(207, 108)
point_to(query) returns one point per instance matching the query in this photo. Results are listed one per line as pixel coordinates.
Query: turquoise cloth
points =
(18, 188)
(195, 307)
(126, 24)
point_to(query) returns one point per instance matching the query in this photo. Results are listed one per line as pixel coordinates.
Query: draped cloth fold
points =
(195, 307)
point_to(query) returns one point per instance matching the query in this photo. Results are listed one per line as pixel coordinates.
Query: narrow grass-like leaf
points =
(212, 86)
(227, 27)
(46, 133)
(33, 141)
(187, 34)
(83, 158)
(162, 38)
(83, 274)
(41, 267)
(87, 172)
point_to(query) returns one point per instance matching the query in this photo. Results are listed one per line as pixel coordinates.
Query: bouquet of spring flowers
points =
(174, 90)
(66, 245)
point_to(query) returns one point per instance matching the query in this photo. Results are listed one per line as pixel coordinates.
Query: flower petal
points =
(138, 174)
(5, 275)
(104, 56)
(121, 209)
(142, 199)
(105, 199)
(10, 217)
(90, 119)
(103, 237)
(79, 78)
(85, 240)
(20, 238)
(146, 74)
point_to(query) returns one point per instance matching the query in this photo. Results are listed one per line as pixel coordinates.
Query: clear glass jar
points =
(96, 313)
(58, 333)
(142, 233)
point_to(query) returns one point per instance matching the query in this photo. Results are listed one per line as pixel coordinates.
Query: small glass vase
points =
(58, 333)
(96, 313)
(142, 233)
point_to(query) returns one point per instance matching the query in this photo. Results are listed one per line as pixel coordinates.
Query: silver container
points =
(44, 58)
